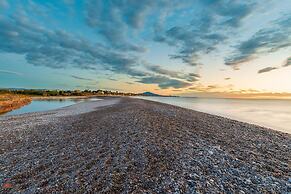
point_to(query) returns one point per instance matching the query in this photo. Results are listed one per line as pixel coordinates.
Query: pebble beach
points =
(127, 145)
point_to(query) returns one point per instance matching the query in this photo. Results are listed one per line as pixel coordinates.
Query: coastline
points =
(9, 102)
(134, 145)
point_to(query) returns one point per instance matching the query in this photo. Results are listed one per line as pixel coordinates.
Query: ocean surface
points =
(275, 114)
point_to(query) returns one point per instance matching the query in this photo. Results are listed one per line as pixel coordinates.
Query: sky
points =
(209, 48)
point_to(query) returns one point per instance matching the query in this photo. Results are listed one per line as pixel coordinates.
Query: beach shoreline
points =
(9, 102)
(120, 145)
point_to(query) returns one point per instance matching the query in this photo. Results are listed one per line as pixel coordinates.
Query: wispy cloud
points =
(69, 2)
(266, 40)
(267, 69)
(59, 49)
(114, 19)
(164, 82)
(81, 78)
(3, 4)
(130, 83)
(112, 79)
(3, 71)
(288, 62)
(202, 34)
(191, 77)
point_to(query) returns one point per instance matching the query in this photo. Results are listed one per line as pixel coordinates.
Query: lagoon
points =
(46, 105)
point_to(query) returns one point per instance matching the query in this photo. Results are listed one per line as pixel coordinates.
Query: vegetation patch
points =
(9, 102)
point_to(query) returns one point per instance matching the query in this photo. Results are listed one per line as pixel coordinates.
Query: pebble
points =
(135, 146)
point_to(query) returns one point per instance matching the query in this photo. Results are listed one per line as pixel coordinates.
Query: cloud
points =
(210, 87)
(288, 62)
(113, 19)
(4, 4)
(116, 32)
(164, 82)
(160, 70)
(267, 69)
(198, 87)
(130, 83)
(117, 21)
(233, 11)
(10, 72)
(202, 34)
(266, 40)
(69, 2)
(59, 49)
(191, 77)
(191, 42)
(81, 78)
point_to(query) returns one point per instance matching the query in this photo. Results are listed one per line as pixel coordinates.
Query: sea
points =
(274, 114)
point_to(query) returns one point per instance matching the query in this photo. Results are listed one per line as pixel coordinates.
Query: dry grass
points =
(9, 102)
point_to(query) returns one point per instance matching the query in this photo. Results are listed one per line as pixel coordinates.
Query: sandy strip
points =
(138, 146)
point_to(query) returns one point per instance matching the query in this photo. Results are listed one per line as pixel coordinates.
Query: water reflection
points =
(48, 104)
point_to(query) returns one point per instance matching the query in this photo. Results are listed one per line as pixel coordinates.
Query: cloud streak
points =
(266, 40)
(164, 82)
(202, 35)
(288, 62)
(267, 69)
(81, 78)
(59, 49)
(4, 4)
(113, 19)
(3, 71)
(191, 77)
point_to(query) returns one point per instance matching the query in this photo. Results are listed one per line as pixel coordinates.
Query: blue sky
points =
(187, 47)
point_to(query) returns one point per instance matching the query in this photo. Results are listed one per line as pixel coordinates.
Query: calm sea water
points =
(275, 114)
(45, 105)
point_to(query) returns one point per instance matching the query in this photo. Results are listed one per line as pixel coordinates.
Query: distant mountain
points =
(149, 94)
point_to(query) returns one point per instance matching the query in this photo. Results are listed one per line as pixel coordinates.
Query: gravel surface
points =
(136, 146)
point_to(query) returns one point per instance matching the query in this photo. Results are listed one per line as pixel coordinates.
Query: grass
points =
(9, 102)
